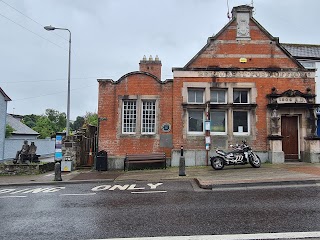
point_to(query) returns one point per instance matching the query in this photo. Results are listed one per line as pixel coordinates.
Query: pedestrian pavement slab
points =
(205, 176)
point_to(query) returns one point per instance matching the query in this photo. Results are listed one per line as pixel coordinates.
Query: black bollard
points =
(182, 164)
(57, 171)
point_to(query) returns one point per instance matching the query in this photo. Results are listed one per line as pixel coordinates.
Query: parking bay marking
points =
(11, 192)
(31, 190)
(13, 196)
(150, 192)
(77, 194)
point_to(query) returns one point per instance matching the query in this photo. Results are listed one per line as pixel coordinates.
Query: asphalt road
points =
(142, 209)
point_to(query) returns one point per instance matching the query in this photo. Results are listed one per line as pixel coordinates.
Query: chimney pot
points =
(144, 58)
(157, 58)
(150, 58)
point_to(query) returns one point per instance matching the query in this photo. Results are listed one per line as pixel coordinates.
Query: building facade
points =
(20, 130)
(3, 113)
(242, 85)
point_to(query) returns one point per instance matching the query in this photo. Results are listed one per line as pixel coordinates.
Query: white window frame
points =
(225, 122)
(203, 117)
(130, 117)
(143, 117)
(241, 90)
(219, 90)
(196, 90)
(248, 120)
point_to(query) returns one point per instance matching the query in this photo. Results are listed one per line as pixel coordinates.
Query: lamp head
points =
(49, 28)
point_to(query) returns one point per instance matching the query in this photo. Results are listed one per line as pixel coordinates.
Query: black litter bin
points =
(102, 161)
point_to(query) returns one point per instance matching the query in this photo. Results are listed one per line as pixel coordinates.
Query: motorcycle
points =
(240, 155)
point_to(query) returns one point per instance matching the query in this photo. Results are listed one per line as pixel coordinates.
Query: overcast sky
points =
(110, 37)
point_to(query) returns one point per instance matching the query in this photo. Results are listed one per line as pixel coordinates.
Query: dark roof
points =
(19, 127)
(303, 50)
(6, 98)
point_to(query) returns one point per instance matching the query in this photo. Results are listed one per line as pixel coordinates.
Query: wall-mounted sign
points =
(166, 127)
(282, 100)
(243, 60)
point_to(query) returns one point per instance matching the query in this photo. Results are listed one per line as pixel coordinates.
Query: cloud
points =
(109, 38)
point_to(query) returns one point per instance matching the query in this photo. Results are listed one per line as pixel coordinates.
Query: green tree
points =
(30, 120)
(58, 119)
(44, 127)
(9, 131)
(78, 123)
(91, 118)
(47, 124)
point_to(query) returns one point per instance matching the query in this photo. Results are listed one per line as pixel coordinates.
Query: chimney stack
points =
(151, 66)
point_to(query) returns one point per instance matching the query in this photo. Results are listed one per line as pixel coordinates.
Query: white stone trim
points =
(244, 74)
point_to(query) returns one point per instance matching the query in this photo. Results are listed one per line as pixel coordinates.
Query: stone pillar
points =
(276, 155)
(312, 150)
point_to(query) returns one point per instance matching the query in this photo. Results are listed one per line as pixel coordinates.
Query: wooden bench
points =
(144, 158)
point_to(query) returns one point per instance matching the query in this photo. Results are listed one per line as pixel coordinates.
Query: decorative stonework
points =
(275, 118)
(243, 29)
(291, 97)
(282, 100)
(245, 74)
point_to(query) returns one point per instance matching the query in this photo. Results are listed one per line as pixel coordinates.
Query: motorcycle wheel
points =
(254, 160)
(217, 163)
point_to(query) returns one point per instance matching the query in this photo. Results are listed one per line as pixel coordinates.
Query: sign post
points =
(207, 135)
(58, 158)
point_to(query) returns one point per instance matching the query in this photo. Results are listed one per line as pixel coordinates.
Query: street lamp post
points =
(50, 28)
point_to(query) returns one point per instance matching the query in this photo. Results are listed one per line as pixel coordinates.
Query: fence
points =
(44, 146)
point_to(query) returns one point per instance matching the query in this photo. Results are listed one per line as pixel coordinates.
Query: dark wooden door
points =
(289, 131)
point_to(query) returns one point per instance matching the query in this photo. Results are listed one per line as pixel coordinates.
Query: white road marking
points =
(13, 196)
(77, 194)
(287, 235)
(125, 187)
(151, 192)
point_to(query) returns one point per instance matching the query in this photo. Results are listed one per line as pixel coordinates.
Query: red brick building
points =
(243, 84)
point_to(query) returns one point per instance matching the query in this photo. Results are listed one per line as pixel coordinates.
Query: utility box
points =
(66, 165)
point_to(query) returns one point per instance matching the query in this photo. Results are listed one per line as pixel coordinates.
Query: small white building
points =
(3, 113)
(21, 131)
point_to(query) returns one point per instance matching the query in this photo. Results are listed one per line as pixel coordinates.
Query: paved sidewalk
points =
(206, 177)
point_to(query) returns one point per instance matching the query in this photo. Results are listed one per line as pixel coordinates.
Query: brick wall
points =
(135, 85)
(223, 52)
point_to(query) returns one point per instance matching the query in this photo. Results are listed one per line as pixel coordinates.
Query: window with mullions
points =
(195, 95)
(218, 121)
(129, 116)
(218, 96)
(240, 122)
(240, 96)
(148, 117)
(195, 123)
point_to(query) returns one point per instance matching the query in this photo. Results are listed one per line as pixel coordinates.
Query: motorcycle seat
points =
(221, 152)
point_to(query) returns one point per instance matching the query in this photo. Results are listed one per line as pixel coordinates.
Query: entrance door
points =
(289, 131)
